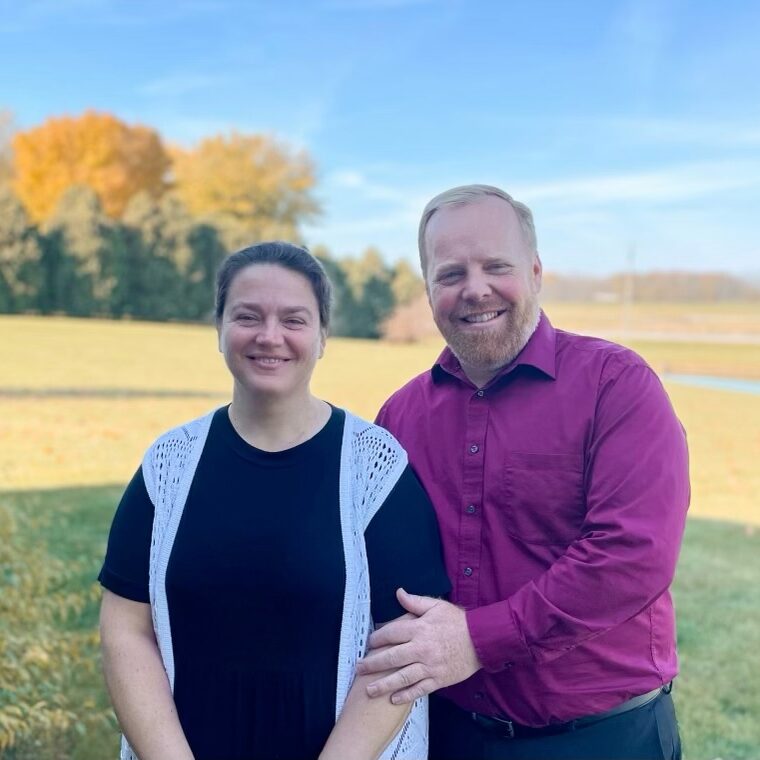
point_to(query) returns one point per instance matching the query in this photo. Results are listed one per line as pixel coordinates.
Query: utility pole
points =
(628, 290)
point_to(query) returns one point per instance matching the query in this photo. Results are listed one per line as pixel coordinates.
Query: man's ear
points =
(538, 271)
(322, 341)
(427, 288)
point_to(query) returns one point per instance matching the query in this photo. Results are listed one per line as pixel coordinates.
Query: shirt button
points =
(468, 571)
(478, 695)
(474, 448)
(470, 509)
(481, 393)
(508, 665)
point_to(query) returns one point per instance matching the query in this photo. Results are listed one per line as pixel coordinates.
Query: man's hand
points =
(427, 652)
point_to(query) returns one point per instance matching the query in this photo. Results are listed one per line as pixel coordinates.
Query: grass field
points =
(81, 399)
(739, 322)
(98, 436)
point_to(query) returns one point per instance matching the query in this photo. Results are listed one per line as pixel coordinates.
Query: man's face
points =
(483, 284)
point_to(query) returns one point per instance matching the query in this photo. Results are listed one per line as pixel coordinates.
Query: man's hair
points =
(470, 194)
(283, 254)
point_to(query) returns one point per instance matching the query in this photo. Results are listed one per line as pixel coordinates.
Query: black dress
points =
(255, 587)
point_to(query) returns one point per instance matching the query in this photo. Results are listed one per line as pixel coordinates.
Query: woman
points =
(240, 558)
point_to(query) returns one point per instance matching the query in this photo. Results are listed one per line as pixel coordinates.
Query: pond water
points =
(736, 384)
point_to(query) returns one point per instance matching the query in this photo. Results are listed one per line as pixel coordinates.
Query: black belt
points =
(508, 729)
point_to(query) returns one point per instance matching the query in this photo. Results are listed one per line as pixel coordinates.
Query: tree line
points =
(100, 218)
(659, 286)
(158, 262)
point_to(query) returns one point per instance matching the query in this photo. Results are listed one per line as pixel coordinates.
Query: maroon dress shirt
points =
(561, 489)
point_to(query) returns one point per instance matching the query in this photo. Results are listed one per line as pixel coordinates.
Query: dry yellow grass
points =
(698, 320)
(723, 430)
(46, 442)
(57, 352)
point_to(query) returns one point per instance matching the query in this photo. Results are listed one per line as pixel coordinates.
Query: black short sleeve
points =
(404, 549)
(125, 569)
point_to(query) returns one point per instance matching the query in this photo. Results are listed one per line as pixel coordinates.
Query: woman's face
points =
(270, 332)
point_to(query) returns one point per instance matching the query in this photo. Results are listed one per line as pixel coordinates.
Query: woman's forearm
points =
(139, 690)
(365, 726)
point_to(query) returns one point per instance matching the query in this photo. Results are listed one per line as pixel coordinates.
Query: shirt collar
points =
(539, 352)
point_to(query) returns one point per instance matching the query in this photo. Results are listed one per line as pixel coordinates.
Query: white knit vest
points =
(371, 463)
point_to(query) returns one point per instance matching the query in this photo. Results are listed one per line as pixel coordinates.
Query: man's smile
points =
(485, 316)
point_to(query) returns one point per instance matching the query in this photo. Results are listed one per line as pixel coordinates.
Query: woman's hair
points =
(283, 254)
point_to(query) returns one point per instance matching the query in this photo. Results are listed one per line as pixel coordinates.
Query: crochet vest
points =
(371, 463)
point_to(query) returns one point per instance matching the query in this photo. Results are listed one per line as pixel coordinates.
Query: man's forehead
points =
(458, 247)
(456, 218)
(487, 227)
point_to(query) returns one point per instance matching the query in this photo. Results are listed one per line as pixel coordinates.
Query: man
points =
(560, 478)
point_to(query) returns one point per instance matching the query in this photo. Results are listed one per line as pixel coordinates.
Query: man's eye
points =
(294, 322)
(449, 276)
(246, 317)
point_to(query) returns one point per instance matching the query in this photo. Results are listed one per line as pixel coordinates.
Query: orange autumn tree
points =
(96, 150)
(254, 183)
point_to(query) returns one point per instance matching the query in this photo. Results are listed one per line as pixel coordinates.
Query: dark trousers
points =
(649, 732)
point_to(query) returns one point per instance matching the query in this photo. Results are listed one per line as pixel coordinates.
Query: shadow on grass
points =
(717, 596)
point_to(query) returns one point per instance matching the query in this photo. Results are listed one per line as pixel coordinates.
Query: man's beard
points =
(490, 350)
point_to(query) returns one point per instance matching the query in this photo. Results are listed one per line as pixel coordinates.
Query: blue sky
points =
(624, 125)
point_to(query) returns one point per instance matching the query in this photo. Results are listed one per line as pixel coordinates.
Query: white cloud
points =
(358, 182)
(679, 132)
(670, 184)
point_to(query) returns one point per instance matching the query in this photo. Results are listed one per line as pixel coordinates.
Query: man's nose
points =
(476, 287)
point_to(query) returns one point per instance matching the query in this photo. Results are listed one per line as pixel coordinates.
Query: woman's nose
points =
(269, 333)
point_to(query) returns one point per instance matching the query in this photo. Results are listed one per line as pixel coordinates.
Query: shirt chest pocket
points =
(543, 498)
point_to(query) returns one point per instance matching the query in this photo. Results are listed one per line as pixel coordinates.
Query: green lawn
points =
(716, 591)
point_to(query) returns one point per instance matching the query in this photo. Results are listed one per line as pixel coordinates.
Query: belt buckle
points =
(507, 725)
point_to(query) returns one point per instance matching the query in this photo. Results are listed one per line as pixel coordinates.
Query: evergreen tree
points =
(207, 253)
(20, 252)
(372, 300)
(80, 240)
(344, 304)
(156, 249)
(406, 283)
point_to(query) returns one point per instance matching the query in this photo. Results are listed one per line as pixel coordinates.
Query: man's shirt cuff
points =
(495, 636)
